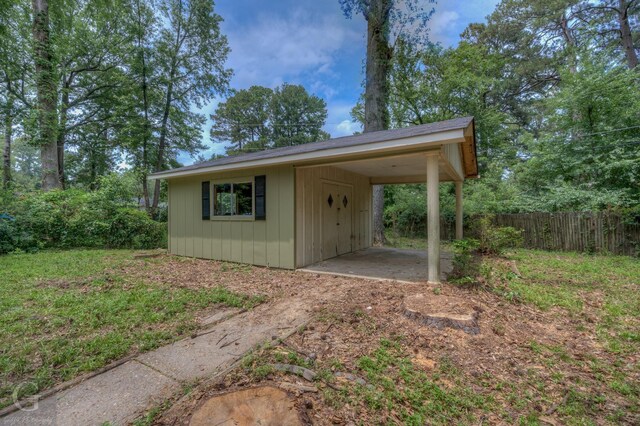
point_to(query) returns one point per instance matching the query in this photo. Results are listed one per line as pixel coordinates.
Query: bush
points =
(108, 217)
(131, 228)
(12, 238)
(466, 265)
(7, 237)
(493, 239)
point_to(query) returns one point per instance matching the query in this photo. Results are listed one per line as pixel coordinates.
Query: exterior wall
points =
(309, 210)
(267, 242)
(453, 155)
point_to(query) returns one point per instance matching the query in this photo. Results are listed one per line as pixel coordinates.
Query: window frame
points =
(232, 182)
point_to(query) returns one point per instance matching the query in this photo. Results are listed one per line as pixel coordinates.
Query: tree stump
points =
(264, 405)
(442, 311)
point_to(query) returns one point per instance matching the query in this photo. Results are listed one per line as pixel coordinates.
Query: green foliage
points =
(259, 118)
(406, 209)
(108, 217)
(494, 239)
(556, 124)
(466, 265)
(7, 237)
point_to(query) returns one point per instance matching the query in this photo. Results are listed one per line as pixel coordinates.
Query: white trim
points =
(397, 145)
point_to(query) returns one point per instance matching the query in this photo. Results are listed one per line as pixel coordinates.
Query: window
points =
(222, 199)
(233, 199)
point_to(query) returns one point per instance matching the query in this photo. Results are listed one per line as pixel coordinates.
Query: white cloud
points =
(274, 48)
(347, 127)
(339, 121)
(441, 24)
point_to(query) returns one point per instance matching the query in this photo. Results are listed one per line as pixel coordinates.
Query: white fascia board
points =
(390, 146)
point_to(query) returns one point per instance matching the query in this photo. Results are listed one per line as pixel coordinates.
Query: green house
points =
(295, 206)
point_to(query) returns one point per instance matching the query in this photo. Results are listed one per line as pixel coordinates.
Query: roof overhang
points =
(373, 147)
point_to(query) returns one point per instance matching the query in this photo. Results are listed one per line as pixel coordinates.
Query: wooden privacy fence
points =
(568, 231)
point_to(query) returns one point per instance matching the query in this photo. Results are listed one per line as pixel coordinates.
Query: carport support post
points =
(459, 210)
(433, 218)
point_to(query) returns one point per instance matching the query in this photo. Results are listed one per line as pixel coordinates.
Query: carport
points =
(326, 229)
(382, 264)
(300, 205)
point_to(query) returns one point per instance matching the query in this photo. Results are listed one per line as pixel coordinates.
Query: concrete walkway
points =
(120, 395)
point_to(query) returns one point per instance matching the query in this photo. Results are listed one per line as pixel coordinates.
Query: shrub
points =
(493, 239)
(7, 237)
(131, 228)
(465, 261)
(75, 218)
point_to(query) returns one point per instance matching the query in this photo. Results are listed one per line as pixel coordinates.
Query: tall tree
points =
(387, 21)
(45, 77)
(611, 21)
(260, 118)
(296, 116)
(15, 43)
(191, 53)
(8, 135)
(89, 43)
(243, 120)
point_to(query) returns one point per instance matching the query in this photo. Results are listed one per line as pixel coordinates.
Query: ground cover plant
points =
(64, 313)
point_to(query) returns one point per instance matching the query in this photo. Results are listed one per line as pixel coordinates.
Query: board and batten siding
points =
(309, 205)
(267, 242)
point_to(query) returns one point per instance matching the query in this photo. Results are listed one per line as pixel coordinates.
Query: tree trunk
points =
(569, 42)
(376, 113)
(626, 37)
(162, 146)
(60, 141)
(8, 132)
(47, 97)
(162, 143)
(145, 105)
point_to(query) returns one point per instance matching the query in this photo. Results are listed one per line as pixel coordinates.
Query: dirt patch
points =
(522, 362)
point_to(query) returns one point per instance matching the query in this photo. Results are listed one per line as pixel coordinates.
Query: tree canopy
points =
(260, 118)
(92, 87)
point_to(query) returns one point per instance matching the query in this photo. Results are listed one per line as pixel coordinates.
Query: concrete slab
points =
(383, 263)
(217, 316)
(117, 397)
(192, 359)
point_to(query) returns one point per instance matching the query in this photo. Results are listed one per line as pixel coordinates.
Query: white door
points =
(336, 220)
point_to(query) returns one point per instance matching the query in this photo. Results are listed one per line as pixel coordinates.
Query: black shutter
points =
(261, 197)
(206, 201)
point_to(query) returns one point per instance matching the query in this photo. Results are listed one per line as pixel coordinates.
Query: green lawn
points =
(600, 294)
(608, 284)
(64, 313)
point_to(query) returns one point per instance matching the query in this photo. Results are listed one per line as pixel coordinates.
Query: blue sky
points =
(310, 42)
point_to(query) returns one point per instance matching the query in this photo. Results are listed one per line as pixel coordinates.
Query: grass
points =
(609, 284)
(401, 392)
(599, 292)
(411, 243)
(395, 391)
(64, 313)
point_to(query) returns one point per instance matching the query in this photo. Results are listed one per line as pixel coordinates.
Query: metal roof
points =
(342, 142)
